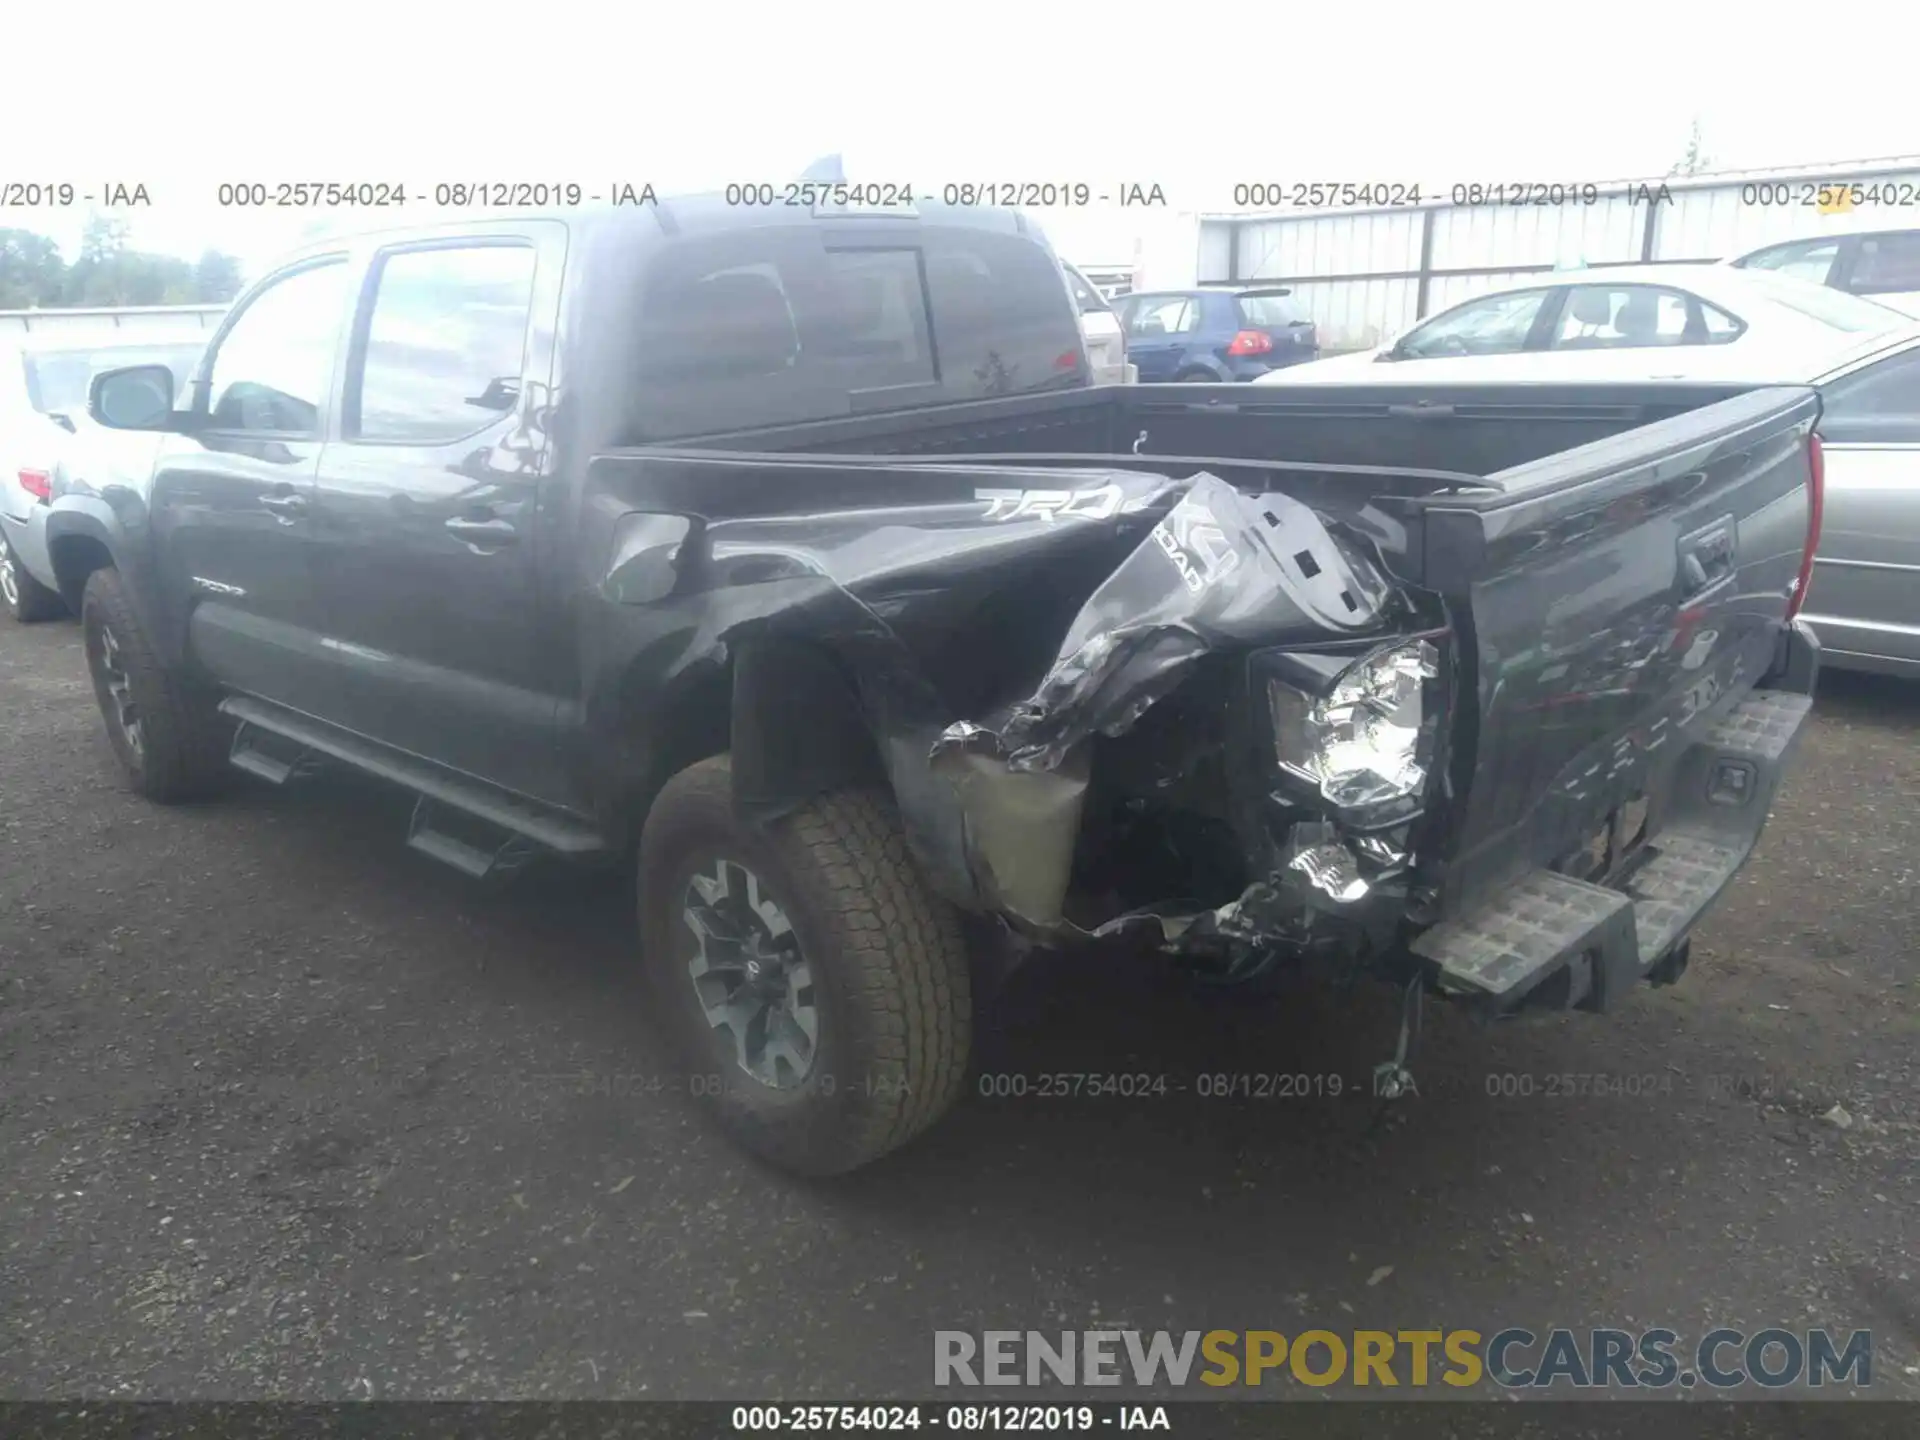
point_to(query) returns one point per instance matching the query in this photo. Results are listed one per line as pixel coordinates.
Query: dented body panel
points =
(1010, 642)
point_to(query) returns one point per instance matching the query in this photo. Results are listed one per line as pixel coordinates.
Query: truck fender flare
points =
(798, 727)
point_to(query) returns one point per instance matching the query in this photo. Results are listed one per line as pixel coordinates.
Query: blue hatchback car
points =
(1215, 334)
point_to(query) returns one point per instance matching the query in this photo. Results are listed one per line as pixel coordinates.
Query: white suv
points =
(1100, 327)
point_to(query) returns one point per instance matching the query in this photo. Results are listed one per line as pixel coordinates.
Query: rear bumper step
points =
(1591, 944)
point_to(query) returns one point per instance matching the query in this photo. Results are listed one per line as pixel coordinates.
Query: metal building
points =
(1366, 274)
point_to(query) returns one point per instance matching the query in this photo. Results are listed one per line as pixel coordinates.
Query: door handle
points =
(286, 508)
(484, 532)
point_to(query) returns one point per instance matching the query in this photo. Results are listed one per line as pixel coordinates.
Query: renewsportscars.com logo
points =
(1600, 1358)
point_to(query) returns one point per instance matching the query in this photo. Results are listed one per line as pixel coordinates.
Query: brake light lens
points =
(1816, 512)
(38, 484)
(1251, 342)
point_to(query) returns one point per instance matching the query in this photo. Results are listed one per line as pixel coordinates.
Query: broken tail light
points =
(1364, 742)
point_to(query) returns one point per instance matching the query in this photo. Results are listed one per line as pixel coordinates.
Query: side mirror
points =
(134, 397)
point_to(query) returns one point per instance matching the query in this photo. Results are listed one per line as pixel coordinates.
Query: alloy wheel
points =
(751, 979)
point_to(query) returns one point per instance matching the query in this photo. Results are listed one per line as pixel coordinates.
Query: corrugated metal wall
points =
(1365, 275)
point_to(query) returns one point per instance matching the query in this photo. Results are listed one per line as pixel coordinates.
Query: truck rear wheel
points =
(165, 731)
(812, 986)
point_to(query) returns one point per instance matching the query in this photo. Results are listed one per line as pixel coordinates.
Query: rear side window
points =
(1886, 264)
(1614, 317)
(444, 346)
(1269, 312)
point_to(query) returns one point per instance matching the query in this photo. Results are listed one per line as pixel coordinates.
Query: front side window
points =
(1496, 325)
(274, 365)
(1886, 264)
(1614, 317)
(445, 343)
(1809, 260)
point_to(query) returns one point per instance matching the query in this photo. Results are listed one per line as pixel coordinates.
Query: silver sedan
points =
(1864, 602)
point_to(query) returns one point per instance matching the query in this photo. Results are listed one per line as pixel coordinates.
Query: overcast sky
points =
(1193, 98)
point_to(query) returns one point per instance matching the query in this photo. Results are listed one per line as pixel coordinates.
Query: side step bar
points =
(476, 828)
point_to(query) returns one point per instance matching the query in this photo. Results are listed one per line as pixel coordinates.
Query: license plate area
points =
(1612, 849)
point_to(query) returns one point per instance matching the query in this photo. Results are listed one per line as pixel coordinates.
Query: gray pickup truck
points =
(790, 557)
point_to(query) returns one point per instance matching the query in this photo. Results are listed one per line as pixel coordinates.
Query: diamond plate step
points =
(1526, 932)
(1760, 727)
(1671, 889)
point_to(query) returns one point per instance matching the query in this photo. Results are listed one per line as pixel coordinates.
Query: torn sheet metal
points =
(1221, 569)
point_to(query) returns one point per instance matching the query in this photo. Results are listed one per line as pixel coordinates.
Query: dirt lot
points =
(286, 1110)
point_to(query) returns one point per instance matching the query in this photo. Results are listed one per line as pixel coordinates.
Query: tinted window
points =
(444, 345)
(1003, 324)
(273, 367)
(775, 324)
(1611, 317)
(1269, 312)
(1886, 264)
(1151, 315)
(882, 303)
(57, 380)
(1810, 260)
(1497, 325)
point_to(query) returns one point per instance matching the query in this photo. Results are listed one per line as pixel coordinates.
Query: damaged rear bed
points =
(1487, 685)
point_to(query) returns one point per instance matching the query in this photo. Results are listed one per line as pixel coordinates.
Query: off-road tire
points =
(29, 601)
(886, 955)
(182, 751)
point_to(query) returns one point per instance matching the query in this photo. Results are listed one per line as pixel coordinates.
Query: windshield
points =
(1265, 312)
(1090, 300)
(57, 380)
(1830, 307)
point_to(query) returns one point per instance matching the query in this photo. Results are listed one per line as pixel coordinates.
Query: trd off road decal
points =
(1197, 546)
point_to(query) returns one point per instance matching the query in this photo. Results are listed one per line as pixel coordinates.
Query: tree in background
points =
(33, 274)
(31, 271)
(1696, 158)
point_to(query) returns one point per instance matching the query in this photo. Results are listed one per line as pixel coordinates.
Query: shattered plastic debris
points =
(1211, 573)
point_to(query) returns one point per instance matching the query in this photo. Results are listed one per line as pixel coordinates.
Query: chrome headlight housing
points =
(1365, 741)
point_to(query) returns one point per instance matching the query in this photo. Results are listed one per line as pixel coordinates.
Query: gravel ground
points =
(286, 1110)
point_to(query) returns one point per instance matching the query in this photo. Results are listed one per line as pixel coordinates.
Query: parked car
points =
(1216, 334)
(1100, 328)
(1621, 322)
(1865, 598)
(1881, 265)
(44, 435)
(796, 558)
